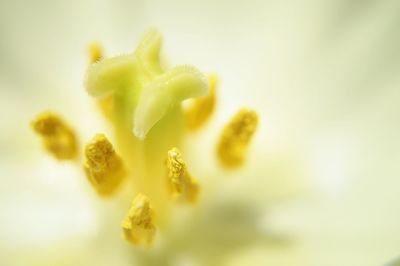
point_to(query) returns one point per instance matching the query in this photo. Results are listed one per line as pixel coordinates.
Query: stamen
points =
(183, 186)
(95, 53)
(103, 166)
(138, 227)
(201, 108)
(57, 137)
(235, 138)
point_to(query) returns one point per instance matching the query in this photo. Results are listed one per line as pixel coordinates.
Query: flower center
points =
(143, 103)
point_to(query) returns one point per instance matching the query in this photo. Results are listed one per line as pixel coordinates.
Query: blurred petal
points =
(324, 167)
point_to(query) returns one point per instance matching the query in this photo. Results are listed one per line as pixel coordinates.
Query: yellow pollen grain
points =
(235, 138)
(200, 109)
(138, 225)
(183, 186)
(103, 167)
(95, 52)
(58, 138)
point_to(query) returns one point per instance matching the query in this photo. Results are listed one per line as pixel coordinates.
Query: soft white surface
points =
(322, 75)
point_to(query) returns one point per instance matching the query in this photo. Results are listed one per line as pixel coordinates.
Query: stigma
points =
(148, 91)
(235, 138)
(103, 167)
(58, 138)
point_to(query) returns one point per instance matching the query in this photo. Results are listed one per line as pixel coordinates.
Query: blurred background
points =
(323, 76)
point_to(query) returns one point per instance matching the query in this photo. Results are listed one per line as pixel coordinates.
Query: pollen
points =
(103, 167)
(235, 138)
(95, 52)
(183, 186)
(201, 108)
(58, 138)
(138, 225)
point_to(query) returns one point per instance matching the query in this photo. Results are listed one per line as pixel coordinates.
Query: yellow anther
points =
(57, 137)
(201, 108)
(95, 53)
(138, 225)
(183, 186)
(103, 167)
(235, 138)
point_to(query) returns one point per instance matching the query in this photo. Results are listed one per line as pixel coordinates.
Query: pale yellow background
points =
(323, 76)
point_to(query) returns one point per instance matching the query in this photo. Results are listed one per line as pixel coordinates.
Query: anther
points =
(95, 53)
(201, 108)
(138, 225)
(184, 187)
(235, 137)
(57, 137)
(103, 167)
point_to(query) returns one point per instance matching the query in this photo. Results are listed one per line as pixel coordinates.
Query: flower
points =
(142, 101)
(321, 75)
